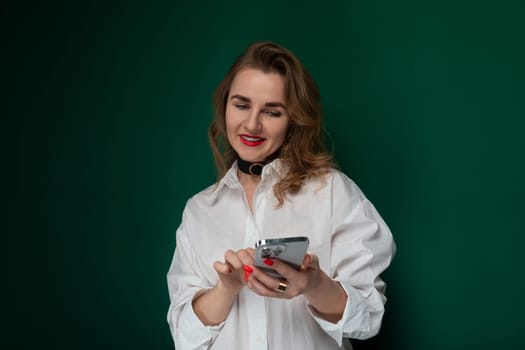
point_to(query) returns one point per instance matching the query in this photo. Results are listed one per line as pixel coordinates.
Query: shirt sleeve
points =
(362, 248)
(186, 328)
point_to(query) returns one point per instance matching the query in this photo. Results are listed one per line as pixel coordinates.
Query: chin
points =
(253, 158)
(253, 155)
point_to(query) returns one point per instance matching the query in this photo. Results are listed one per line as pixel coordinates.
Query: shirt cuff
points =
(354, 307)
(193, 331)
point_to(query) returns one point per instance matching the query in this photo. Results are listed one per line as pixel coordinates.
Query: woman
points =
(275, 180)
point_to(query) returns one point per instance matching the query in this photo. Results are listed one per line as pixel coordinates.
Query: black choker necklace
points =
(250, 168)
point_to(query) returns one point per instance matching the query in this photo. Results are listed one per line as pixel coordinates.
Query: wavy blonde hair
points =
(303, 152)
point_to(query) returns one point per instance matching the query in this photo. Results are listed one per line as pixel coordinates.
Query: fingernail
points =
(268, 261)
(247, 272)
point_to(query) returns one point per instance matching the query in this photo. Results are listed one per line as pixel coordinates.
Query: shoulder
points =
(209, 196)
(197, 208)
(342, 190)
(341, 181)
(202, 199)
(337, 182)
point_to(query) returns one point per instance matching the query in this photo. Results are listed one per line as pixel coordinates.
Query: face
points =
(256, 116)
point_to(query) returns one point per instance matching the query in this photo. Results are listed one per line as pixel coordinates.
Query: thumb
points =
(307, 260)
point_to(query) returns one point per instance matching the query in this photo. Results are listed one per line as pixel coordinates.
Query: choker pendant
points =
(254, 169)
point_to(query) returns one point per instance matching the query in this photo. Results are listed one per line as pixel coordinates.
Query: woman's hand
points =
(307, 280)
(325, 295)
(212, 306)
(233, 271)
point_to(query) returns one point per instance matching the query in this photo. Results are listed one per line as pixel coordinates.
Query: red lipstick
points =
(250, 140)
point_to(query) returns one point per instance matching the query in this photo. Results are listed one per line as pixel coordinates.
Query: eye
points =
(273, 113)
(241, 106)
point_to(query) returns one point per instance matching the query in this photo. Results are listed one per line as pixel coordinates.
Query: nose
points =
(253, 123)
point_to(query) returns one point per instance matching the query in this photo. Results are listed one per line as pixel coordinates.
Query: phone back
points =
(290, 250)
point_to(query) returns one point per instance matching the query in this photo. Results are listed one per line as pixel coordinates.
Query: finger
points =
(285, 270)
(222, 268)
(306, 262)
(245, 257)
(247, 272)
(311, 261)
(314, 262)
(251, 251)
(233, 260)
(260, 288)
(267, 280)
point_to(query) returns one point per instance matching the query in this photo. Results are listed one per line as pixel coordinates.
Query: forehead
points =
(258, 86)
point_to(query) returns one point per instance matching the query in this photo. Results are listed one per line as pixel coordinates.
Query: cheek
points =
(279, 133)
(230, 120)
(284, 130)
(232, 125)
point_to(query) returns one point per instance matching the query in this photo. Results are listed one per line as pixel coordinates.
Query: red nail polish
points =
(246, 276)
(247, 268)
(268, 261)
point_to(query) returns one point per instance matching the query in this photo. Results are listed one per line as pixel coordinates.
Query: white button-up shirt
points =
(353, 244)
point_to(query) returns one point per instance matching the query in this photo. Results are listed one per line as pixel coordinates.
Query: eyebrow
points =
(267, 104)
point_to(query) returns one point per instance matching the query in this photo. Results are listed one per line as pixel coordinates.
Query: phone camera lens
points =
(277, 251)
(266, 252)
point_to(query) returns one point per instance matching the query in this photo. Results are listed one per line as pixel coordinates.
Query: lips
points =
(250, 140)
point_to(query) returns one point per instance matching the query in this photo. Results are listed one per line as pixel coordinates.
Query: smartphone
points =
(291, 250)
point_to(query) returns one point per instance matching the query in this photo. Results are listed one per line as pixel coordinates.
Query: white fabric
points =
(352, 241)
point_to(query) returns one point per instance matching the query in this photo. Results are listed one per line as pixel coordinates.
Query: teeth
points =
(252, 139)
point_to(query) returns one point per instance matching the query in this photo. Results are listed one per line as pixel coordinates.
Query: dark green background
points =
(104, 138)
